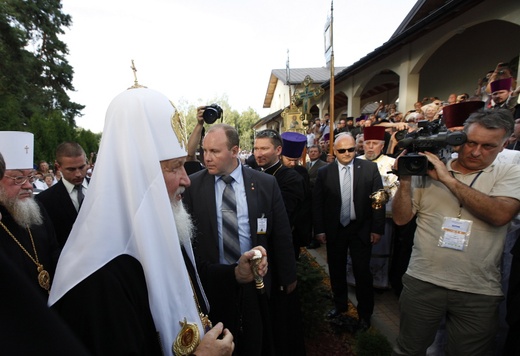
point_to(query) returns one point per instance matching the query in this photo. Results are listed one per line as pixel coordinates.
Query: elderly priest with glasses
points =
(26, 233)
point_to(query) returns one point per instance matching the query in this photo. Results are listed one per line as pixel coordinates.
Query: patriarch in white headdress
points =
(128, 211)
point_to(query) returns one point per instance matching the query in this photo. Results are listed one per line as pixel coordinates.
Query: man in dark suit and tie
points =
(314, 164)
(63, 200)
(259, 219)
(345, 220)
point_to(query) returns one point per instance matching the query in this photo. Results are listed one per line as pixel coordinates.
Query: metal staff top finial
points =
(136, 84)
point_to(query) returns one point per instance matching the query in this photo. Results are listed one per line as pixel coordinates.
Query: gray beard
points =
(183, 221)
(24, 212)
(371, 157)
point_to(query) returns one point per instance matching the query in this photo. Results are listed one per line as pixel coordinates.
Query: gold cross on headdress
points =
(136, 84)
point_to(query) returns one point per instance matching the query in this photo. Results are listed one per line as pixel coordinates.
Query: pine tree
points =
(35, 74)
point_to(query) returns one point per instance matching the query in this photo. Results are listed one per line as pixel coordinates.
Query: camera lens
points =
(416, 164)
(412, 165)
(212, 113)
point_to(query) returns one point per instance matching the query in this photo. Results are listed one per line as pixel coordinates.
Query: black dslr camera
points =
(431, 136)
(212, 113)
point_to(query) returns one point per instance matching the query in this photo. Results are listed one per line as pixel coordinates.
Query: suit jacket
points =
(313, 171)
(263, 199)
(327, 199)
(56, 200)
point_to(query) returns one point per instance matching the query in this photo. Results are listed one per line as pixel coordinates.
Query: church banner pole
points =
(331, 106)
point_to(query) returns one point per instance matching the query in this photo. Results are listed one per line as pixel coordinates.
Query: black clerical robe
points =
(109, 311)
(28, 326)
(286, 308)
(45, 242)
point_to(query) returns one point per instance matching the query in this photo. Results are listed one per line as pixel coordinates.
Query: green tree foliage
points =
(245, 128)
(89, 141)
(35, 76)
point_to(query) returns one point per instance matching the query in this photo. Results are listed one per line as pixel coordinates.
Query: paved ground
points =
(386, 310)
(386, 314)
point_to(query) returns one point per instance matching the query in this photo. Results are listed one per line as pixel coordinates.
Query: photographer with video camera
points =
(462, 210)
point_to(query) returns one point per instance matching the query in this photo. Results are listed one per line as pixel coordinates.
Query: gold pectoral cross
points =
(44, 279)
(187, 339)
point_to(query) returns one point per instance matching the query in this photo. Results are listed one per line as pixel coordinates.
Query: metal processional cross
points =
(306, 95)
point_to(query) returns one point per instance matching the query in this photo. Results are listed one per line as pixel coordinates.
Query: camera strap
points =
(471, 185)
(455, 232)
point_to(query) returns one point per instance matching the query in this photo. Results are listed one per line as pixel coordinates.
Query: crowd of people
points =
(199, 257)
(444, 261)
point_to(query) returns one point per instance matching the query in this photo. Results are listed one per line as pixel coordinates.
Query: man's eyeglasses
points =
(20, 180)
(343, 150)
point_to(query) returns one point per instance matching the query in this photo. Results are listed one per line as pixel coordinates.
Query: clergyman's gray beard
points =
(25, 212)
(371, 156)
(183, 221)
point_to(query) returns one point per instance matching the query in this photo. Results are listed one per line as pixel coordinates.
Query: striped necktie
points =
(345, 197)
(230, 222)
(81, 196)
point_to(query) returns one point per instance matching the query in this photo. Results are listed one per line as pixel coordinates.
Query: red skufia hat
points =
(374, 133)
(501, 84)
(455, 114)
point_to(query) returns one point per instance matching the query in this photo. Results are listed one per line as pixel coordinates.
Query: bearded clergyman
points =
(373, 144)
(26, 233)
(127, 282)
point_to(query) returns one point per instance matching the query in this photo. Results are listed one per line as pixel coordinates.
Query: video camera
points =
(212, 113)
(430, 136)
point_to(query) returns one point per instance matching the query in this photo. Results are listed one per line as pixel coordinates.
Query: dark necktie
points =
(345, 197)
(230, 223)
(81, 196)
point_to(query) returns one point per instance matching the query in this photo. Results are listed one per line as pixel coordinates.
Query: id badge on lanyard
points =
(455, 232)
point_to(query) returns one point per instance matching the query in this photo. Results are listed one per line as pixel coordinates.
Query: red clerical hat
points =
(455, 114)
(501, 84)
(374, 133)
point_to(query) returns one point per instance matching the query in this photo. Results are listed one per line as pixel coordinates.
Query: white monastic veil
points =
(127, 211)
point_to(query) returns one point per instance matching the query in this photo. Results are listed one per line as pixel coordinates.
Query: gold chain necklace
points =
(44, 278)
(277, 169)
(189, 337)
(206, 323)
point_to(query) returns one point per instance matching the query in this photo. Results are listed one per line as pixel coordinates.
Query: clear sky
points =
(198, 50)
